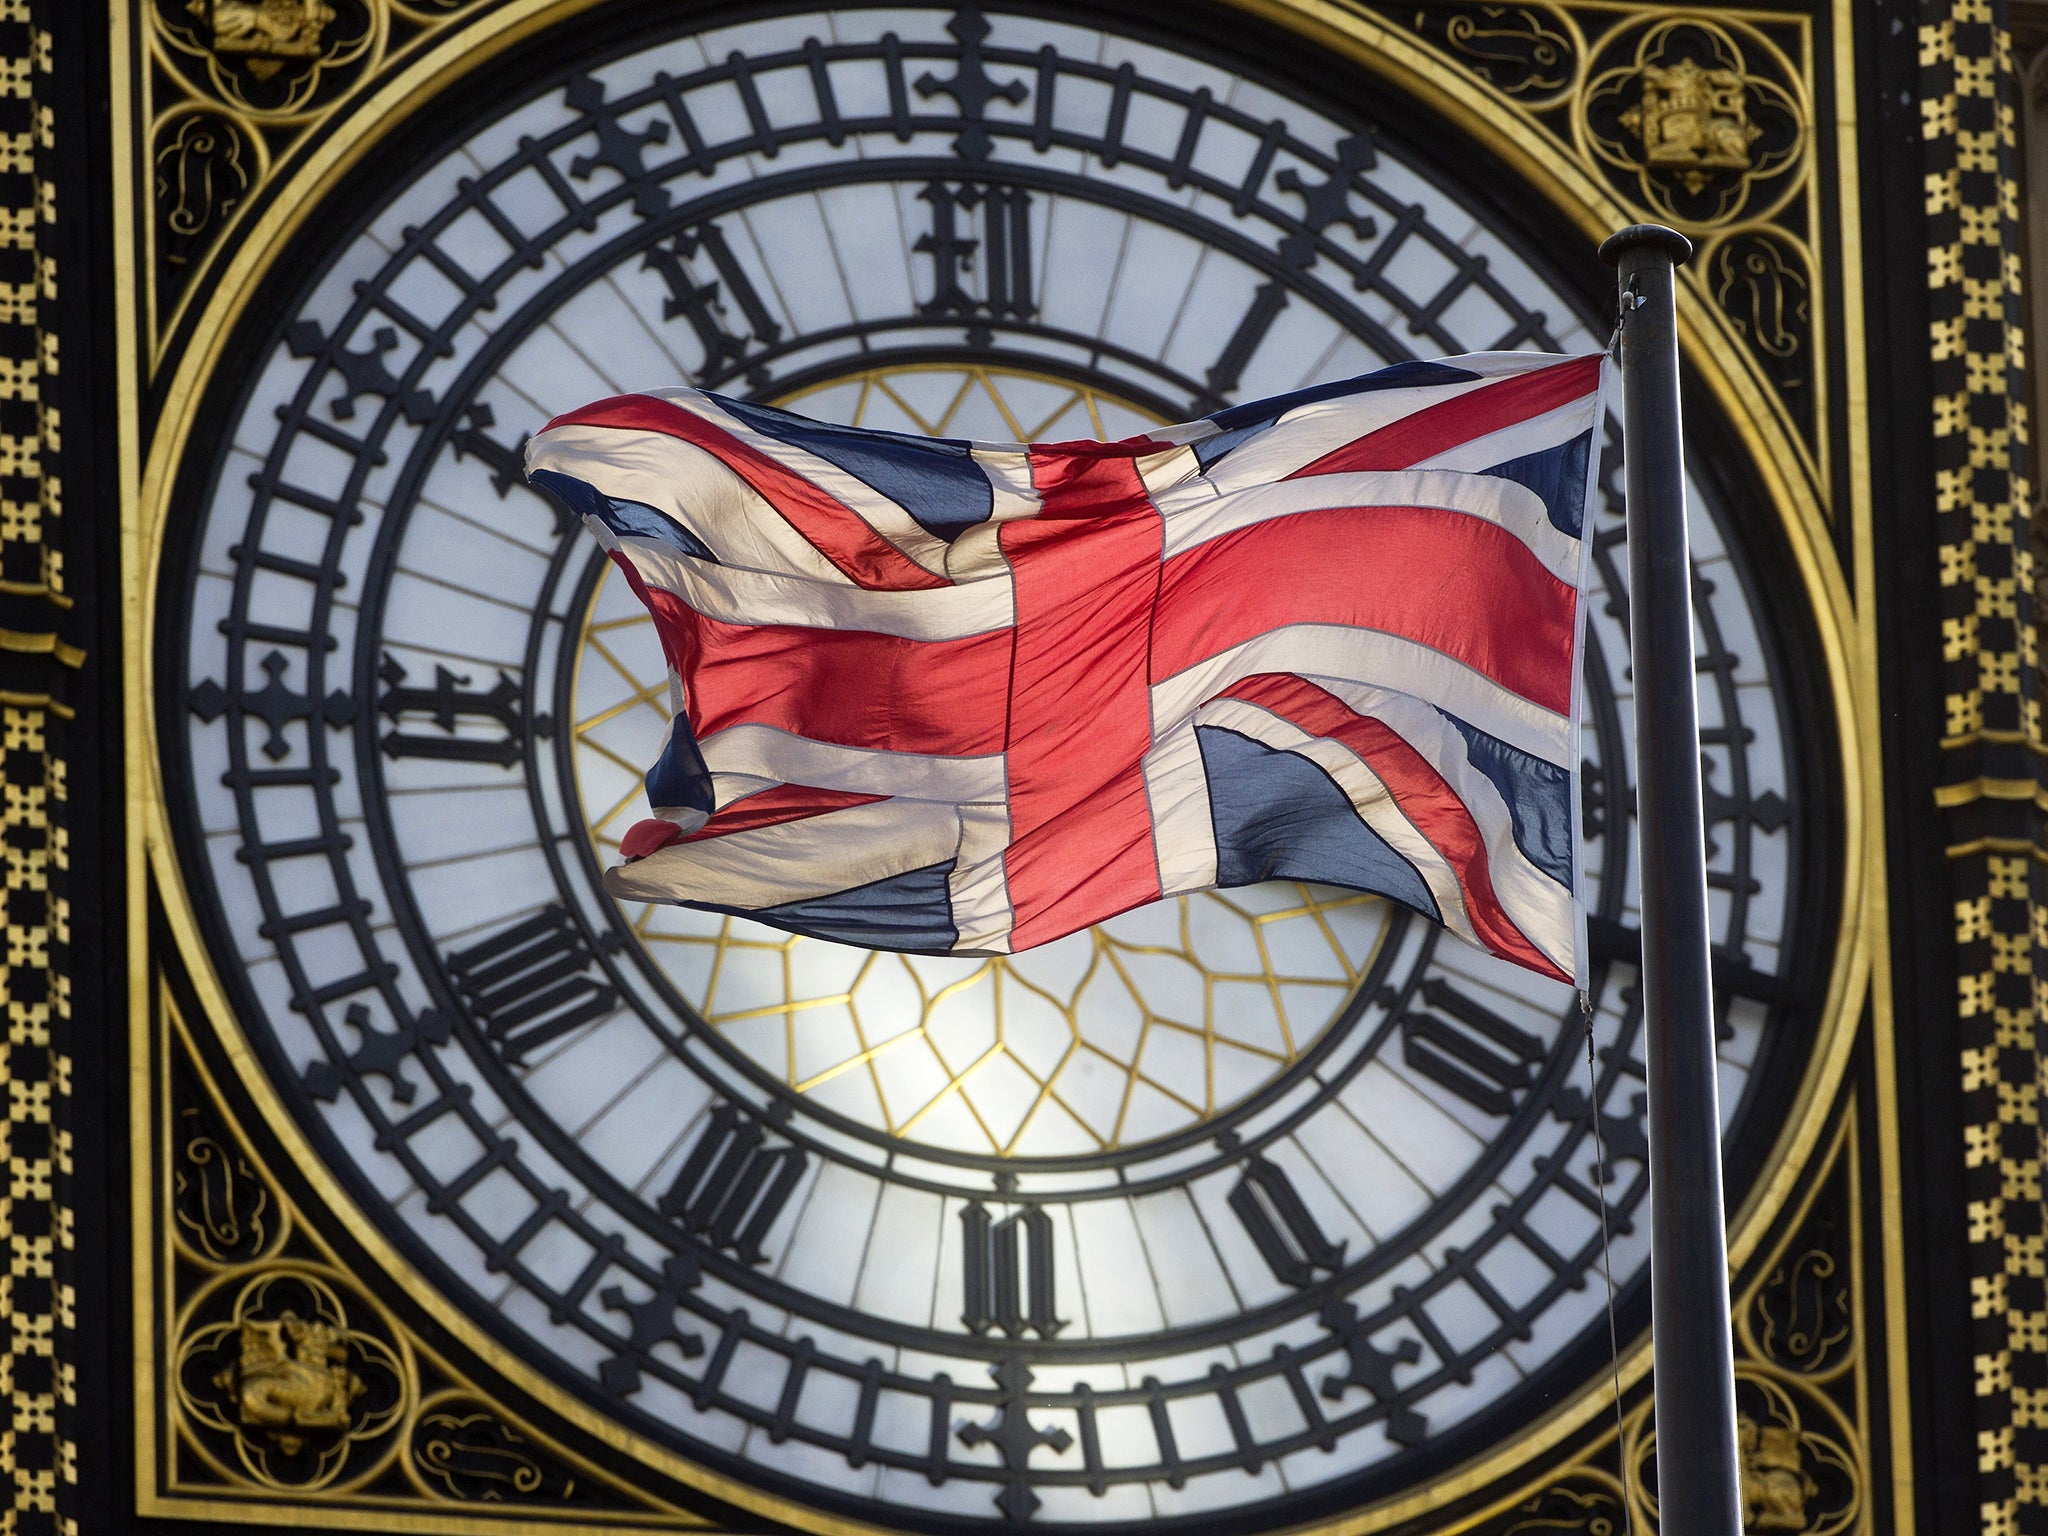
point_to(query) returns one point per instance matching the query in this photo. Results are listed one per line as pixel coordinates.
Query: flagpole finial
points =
(1656, 236)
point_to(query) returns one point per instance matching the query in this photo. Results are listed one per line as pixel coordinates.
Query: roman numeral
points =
(448, 703)
(1008, 1269)
(1469, 1049)
(1005, 248)
(532, 983)
(1224, 374)
(1280, 1226)
(706, 307)
(733, 1185)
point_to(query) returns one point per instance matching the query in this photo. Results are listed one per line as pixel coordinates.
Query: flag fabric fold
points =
(967, 698)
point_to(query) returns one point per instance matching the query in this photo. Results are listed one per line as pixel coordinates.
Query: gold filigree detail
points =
(204, 167)
(1776, 1487)
(1704, 119)
(464, 1450)
(222, 1206)
(1530, 53)
(1762, 285)
(266, 32)
(297, 1389)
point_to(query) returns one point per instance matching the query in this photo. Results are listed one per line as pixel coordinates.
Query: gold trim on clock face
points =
(1365, 42)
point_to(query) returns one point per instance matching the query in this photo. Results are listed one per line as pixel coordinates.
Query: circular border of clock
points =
(682, 1296)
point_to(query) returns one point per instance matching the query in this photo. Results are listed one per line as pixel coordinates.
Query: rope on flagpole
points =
(1606, 1261)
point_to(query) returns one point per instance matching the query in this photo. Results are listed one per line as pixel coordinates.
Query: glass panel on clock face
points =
(1232, 1202)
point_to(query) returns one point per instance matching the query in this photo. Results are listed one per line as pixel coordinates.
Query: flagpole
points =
(1698, 1488)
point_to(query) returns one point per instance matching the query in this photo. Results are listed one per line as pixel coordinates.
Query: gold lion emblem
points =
(292, 1380)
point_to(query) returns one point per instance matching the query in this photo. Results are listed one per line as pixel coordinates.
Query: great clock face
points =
(1238, 1208)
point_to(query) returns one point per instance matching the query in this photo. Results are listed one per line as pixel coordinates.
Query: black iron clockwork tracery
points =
(381, 647)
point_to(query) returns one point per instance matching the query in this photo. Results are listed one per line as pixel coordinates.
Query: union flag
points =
(966, 698)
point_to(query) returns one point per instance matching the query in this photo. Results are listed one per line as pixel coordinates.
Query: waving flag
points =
(968, 698)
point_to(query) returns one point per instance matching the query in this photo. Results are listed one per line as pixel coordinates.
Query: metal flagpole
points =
(1698, 1492)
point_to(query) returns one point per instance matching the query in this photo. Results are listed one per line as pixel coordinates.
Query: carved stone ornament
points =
(267, 32)
(286, 1383)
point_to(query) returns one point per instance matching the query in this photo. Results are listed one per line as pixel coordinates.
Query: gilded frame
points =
(1804, 488)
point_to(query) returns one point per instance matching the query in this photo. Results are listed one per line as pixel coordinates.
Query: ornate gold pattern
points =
(235, 88)
(1803, 1413)
(221, 1208)
(471, 1453)
(1693, 122)
(287, 1378)
(287, 1388)
(1697, 118)
(268, 31)
(1532, 53)
(1695, 113)
(38, 1460)
(1481, 65)
(1195, 1003)
(1994, 773)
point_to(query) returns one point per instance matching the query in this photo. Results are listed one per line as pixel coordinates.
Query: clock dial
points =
(1243, 1205)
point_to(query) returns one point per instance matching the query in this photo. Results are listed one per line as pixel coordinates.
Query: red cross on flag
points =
(966, 698)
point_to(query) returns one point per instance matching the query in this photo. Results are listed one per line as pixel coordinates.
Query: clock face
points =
(1241, 1207)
